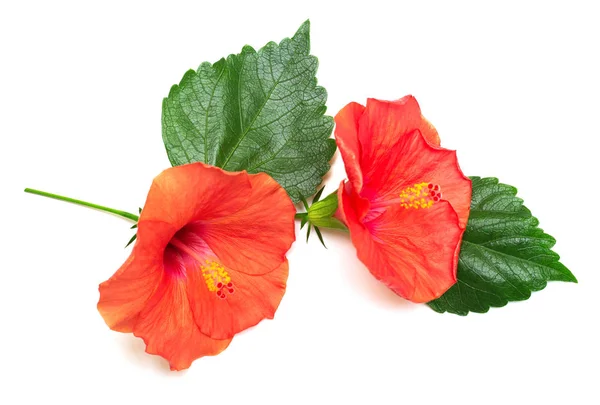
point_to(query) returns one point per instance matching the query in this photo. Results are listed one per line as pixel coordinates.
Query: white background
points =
(514, 88)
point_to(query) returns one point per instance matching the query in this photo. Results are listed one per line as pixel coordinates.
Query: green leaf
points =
(504, 255)
(308, 232)
(256, 111)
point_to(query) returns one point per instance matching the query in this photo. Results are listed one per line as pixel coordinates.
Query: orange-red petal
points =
(168, 328)
(255, 239)
(125, 294)
(413, 252)
(254, 298)
(346, 137)
(196, 191)
(365, 134)
(412, 160)
(384, 122)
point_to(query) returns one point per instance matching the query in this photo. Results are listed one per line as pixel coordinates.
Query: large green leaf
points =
(256, 111)
(504, 255)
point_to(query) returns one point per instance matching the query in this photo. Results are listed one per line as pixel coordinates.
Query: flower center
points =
(196, 255)
(216, 278)
(420, 195)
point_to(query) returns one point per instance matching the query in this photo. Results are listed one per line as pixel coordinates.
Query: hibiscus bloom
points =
(209, 262)
(406, 201)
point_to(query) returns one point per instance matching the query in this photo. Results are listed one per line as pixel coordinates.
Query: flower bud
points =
(321, 213)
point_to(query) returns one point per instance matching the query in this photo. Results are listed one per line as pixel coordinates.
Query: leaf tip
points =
(570, 278)
(304, 30)
(250, 49)
(173, 91)
(189, 75)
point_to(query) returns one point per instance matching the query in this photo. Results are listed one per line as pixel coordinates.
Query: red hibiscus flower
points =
(209, 262)
(406, 202)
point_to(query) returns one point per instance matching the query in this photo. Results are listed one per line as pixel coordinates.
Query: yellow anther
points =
(214, 273)
(420, 195)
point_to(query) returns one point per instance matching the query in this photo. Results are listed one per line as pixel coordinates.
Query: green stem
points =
(300, 215)
(123, 214)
